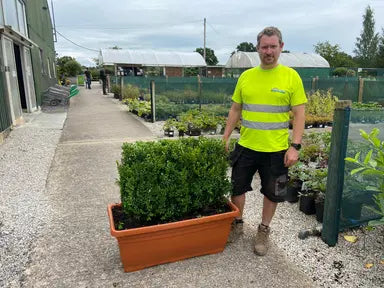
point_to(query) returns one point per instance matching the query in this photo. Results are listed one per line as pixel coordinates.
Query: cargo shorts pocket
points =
(279, 174)
(235, 155)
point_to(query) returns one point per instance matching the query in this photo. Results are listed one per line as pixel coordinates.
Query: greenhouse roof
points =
(251, 59)
(151, 58)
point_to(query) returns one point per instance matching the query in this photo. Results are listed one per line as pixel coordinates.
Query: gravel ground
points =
(339, 266)
(25, 159)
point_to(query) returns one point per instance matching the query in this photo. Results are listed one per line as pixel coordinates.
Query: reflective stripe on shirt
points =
(266, 108)
(265, 125)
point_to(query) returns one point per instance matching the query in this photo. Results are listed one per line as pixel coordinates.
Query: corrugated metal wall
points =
(40, 32)
(5, 119)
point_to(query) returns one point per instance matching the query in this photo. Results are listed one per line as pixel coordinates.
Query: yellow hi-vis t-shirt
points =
(266, 97)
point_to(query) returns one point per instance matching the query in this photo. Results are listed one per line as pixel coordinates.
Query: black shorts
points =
(270, 165)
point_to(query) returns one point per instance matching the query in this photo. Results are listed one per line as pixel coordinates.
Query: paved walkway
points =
(75, 248)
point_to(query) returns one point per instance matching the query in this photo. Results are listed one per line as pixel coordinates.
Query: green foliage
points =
(68, 66)
(367, 44)
(372, 112)
(140, 107)
(166, 181)
(334, 55)
(131, 91)
(201, 119)
(321, 104)
(380, 52)
(210, 57)
(372, 164)
(344, 72)
(246, 47)
(115, 89)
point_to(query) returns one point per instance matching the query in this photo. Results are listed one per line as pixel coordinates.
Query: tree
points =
(68, 66)
(246, 47)
(380, 53)
(210, 57)
(333, 54)
(367, 44)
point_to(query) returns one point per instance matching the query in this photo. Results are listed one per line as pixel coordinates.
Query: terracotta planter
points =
(152, 245)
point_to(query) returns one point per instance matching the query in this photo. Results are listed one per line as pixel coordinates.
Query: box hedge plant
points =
(172, 180)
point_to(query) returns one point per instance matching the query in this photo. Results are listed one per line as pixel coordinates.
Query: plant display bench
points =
(152, 245)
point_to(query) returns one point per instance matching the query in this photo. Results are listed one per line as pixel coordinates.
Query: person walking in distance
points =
(87, 79)
(263, 97)
(103, 79)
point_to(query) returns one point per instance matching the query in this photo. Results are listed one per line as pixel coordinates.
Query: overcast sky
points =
(178, 25)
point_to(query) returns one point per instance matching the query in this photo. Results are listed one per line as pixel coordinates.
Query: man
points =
(103, 79)
(87, 79)
(262, 98)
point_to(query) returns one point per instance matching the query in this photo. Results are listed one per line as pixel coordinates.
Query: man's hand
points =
(226, 142)
(291, 157)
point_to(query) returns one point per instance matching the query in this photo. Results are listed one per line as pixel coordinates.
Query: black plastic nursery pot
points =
(293, 189)
(307, 204)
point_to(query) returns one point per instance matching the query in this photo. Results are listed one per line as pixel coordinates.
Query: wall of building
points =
(215, 72)
(43, 57)
(173, 71)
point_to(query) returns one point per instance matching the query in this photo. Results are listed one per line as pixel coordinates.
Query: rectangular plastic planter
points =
(152, 245)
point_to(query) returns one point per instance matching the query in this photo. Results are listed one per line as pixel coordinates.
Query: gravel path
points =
(25, 159)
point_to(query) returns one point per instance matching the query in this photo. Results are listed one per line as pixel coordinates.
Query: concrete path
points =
(75, 248)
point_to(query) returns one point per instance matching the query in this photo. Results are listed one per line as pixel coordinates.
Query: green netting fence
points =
(356, 199)
(349, 200)
(215, 93)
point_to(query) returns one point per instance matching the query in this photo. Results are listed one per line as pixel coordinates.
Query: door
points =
(28, 80)
(11, 80)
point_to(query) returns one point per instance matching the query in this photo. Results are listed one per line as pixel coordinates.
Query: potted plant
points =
(315, 183)
(181, 127)
(296, 176)
(173, 201)
(169, 127)
(116, 90)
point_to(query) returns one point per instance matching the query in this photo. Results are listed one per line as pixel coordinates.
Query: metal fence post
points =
(153, 104)
(335, 179)
(121, 87)
(199, 90)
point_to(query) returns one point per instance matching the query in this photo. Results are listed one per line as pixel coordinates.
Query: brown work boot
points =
(261, 240)
(236, 230)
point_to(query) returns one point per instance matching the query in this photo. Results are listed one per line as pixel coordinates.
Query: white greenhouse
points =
(172, 63)
(298, 60)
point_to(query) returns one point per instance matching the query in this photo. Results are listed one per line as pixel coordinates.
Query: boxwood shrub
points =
(171, 180)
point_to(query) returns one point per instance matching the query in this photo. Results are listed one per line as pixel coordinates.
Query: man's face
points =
(269, 51)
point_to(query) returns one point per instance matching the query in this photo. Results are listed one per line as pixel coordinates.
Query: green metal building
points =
(27, 65)
(43, 54)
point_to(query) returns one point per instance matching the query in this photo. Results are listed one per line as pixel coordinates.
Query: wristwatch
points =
(296, 146)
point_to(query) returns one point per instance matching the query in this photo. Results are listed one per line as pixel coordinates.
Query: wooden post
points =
(153, 103)
(361, 90)
(335, 179)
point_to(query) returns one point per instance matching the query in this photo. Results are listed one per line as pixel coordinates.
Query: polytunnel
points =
(151, 58)
(242, 59)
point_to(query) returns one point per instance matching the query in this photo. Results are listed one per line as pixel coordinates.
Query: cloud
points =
(177, 25)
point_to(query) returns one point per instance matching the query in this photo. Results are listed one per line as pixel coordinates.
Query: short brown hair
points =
(269, 31)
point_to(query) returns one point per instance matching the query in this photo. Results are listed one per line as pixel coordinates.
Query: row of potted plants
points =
(308, 178)
(194, 122)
